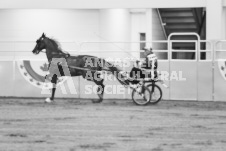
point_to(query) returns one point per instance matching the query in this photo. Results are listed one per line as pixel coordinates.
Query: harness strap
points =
(79, 68)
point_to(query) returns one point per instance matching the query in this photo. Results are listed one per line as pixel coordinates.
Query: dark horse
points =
(81, 65)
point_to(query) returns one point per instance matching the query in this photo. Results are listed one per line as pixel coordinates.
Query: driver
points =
(146, 68)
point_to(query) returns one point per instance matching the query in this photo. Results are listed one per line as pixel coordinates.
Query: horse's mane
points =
(57, 45)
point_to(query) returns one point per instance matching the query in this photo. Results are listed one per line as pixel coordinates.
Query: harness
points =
(60, 60)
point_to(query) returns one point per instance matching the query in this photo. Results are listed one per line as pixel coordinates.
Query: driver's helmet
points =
(148, 51)
(137, 64)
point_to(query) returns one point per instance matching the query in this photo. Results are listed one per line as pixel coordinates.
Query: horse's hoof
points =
(96, 101)
(48, 100)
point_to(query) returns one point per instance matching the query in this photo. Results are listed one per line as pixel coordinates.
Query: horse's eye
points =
(37, 41)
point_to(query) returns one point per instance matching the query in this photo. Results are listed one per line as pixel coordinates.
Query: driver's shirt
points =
(150, 62)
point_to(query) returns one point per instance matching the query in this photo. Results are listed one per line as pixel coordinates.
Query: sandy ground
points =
(114, 125)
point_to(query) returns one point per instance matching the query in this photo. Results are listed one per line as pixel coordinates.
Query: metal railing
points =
(214, 47)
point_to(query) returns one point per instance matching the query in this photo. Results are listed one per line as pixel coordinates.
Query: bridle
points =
(53, 53)
(38, 41)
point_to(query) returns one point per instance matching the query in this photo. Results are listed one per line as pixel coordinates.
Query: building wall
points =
(28, 25)
(158, 35)
(224, 23)
(157, 30)
(75, 25)
(25, 26)
(89, 4)
(80, 25)
(138, 25)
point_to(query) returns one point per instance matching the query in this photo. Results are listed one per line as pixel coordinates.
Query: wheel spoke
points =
(156, 93)
(141, 98)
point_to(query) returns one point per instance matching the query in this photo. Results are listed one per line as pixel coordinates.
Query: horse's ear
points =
(43, 35)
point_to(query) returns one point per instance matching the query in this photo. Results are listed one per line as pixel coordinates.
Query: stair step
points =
(175, 9)
(178, 20)
(184, 37)
(180, 30)
(176, 14)
(181, 26)
(180, 23)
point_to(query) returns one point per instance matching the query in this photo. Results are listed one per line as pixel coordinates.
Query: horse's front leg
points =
(54, 83)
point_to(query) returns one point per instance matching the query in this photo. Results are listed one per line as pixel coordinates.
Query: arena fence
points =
(188, 79)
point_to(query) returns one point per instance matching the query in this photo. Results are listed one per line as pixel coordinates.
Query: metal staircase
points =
(184, 20)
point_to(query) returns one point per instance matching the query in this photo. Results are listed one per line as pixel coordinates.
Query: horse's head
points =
(40, 44)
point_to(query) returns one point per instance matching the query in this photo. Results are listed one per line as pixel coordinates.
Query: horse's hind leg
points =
(100, 89)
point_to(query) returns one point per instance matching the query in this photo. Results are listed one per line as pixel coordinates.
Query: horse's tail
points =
(116, 72)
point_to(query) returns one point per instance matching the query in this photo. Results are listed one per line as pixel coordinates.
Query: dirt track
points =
(71, 125)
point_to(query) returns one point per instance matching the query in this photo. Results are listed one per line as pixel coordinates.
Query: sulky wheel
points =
(141, 97)
(156, 93)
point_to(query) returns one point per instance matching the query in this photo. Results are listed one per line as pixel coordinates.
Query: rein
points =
(84, 69)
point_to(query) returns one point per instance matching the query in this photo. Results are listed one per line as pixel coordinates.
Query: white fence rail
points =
(205, 77)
